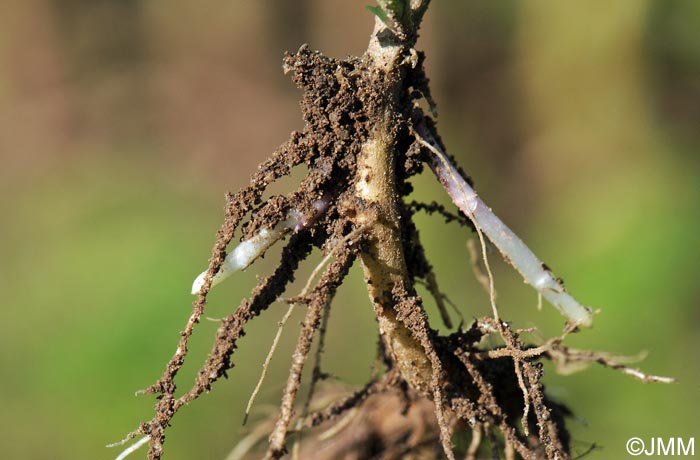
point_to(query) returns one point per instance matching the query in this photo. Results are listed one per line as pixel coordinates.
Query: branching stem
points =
(383, 260)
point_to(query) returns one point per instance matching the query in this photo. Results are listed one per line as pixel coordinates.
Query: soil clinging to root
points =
(475, 398)
(340, 105)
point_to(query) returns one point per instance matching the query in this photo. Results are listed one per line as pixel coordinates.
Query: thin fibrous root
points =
(338, 427)
(526, 395)
(266, 363)
(316, 375)
(411, 314)
(436, 293)
(423, 270)
(246, 444)
(434, 289)
(475, 442)
(480, 276)
(434, 207)
(489, 399)
(237, 207)
(528, 380)
(567, 360)
(303, 295)
(126, 439)
(509, 451)
(520, 353)
(322, 295)
(570, 360)
(229, 332)
(445, 431)
(131, 449)
(340, 407)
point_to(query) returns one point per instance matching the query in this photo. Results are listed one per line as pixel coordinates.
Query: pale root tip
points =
(579, 315)
(198, 283)
(584, 321)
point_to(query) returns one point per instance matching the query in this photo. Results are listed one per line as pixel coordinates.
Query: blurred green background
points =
(122, 124)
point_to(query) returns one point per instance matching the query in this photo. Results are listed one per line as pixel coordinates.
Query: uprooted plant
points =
(365, 137)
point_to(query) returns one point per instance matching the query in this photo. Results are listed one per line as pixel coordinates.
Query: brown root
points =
(439, 395)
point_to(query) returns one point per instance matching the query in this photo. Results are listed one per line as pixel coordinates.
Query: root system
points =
(436, 395)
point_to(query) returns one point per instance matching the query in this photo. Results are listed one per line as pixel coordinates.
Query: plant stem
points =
(384, 261)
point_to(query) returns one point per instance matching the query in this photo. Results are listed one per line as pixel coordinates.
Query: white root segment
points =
(131, 449)
(249, 250)
(534, 272)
